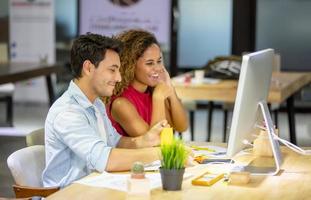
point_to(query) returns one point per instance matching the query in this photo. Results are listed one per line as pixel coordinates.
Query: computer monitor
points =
(252, 93)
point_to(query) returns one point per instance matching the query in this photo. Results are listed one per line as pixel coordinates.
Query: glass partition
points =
(204, 31)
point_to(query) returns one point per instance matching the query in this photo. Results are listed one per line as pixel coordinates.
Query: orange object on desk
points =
(200, 159)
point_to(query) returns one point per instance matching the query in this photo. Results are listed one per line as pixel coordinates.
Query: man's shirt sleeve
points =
(75, 130)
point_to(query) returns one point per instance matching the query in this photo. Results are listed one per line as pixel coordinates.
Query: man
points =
(79, 137)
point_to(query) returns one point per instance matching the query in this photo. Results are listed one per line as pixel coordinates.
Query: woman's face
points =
(149, 66)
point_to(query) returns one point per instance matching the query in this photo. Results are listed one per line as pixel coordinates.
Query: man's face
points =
(107, 74)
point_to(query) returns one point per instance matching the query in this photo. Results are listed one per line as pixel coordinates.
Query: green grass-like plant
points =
(173, 155)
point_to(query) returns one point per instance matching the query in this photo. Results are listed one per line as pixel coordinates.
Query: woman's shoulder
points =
(120, 101)
(123, 104)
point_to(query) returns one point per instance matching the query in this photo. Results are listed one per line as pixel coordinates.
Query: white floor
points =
(29, 117)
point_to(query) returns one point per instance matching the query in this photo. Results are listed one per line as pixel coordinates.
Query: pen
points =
(202, 148)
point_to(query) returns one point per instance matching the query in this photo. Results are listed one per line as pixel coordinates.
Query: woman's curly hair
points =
(135, 42)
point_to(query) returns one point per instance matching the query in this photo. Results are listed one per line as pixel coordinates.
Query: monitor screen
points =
(253, 87)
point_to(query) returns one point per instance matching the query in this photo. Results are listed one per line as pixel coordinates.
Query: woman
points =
(145, 95)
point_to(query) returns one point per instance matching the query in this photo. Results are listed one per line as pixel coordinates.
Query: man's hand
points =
(190, 161)
(152, 137)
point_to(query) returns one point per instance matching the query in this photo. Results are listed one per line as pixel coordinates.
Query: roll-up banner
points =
(32, 39)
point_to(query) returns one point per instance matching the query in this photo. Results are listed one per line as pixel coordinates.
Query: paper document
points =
(119, 181)
(154, 166)
(210, 151)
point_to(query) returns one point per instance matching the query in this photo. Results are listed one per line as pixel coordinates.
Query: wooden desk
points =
(13, 72)
(283, 87)
(292, 183)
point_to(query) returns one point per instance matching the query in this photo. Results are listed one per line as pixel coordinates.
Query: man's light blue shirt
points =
(73, 144)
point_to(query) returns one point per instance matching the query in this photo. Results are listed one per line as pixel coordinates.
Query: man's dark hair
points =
(91, 47)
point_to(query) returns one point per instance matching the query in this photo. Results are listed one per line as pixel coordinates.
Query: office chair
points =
(190, 106)
(26, 166)
(222, 67)
(6, 90)
(6, 95)
(35, 137)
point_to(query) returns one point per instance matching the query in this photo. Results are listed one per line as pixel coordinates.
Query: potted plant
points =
(173, 158)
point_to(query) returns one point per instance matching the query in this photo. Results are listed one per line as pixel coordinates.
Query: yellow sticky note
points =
(167, 136)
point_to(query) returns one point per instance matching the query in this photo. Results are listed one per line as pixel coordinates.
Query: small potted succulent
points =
(138, 184)
(173, 158)
(138, 170)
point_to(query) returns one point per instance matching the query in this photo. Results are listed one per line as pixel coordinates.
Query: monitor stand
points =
(254, 170)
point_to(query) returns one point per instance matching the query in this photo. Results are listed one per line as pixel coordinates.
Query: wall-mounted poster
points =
(32, 39)
(109, 17)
